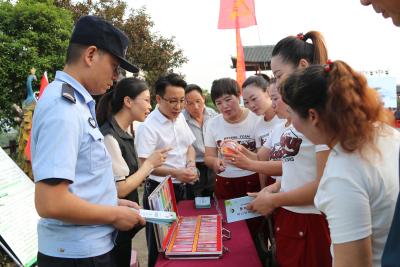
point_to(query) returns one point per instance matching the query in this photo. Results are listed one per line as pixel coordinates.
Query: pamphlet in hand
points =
(157, 217)
(236, 209)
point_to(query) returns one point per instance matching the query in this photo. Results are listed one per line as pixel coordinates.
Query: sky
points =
(353, 33)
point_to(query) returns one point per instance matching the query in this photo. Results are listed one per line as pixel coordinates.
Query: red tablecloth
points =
(241, 247)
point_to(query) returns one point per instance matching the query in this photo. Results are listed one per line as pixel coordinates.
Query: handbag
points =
(266, 244)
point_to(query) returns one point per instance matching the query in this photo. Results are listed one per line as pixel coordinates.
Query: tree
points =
(35, 33)
(209, 103)
(151, 52)
(32, 34)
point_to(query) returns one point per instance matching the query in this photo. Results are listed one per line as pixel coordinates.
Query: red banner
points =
(236, 14)
(240, 65)
(43, 83)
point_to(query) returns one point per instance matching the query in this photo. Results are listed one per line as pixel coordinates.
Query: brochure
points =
(236, 209)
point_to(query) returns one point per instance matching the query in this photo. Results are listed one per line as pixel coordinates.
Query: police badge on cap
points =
(92, 30)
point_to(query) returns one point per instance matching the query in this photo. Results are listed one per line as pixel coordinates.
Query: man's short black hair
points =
(193, 87)
(171, 79)
(74, 52)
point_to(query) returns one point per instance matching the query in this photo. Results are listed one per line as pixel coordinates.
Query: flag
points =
(236, 14)
(43, 83)
(240, 64)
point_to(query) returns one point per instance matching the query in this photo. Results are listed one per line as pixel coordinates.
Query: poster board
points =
(18, 216)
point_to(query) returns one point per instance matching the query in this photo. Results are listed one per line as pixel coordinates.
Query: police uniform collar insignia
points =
(68, 93)
(92, 122)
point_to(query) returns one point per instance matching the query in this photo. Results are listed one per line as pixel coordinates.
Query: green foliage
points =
(151, 52)
(32, 34)
(209, 102)
(35, 33)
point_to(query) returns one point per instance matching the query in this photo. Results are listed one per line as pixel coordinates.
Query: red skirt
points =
(270, 181)
(227, 188)
(301, 239)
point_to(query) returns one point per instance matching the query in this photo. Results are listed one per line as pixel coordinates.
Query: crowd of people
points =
(313, 145)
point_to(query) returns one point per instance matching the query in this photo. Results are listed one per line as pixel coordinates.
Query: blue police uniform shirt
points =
(67, 143)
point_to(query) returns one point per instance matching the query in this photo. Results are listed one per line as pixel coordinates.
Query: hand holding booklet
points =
(156, 216)
(236, 209)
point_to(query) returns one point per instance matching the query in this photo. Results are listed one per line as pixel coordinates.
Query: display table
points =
(241, 247)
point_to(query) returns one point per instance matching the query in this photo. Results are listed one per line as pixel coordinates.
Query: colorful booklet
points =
(195, 237)
(236, 209)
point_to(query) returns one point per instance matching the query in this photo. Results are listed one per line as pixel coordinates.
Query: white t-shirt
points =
(273, 143)
(264, 129)
(157, 132)
(358, 195)
(299, 165)
(243, 132)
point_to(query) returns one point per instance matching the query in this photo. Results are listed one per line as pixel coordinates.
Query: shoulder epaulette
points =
(68, 93)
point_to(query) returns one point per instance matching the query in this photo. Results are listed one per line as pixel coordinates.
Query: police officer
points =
(75, 192)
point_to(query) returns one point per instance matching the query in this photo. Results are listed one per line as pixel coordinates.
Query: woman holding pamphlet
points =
(257, 98)
(128, 102)
(332, 104)
(235, 125)
(301, 231)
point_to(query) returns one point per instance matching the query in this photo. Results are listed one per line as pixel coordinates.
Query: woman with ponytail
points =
(332, 104)
(116, 111)
(301, 231)
(256, 97)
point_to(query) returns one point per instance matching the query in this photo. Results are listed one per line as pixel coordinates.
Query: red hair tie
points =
(328, 66)
(300, 36)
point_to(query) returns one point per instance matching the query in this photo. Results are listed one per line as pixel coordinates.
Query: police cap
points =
(92, 30)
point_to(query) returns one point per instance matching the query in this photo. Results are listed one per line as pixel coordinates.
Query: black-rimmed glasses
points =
(175, 102)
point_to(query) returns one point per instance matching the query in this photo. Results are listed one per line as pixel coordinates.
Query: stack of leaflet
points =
(197, 237)
(158, 217)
